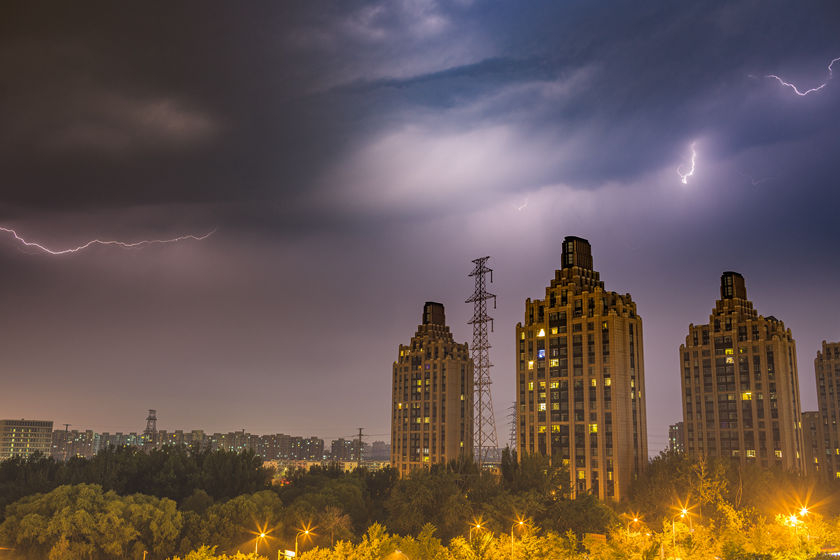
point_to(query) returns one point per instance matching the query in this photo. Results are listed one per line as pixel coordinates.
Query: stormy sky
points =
(353, 157)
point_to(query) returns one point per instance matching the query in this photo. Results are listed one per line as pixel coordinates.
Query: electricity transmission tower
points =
(513, 425)
(150, 433)
(484, 421)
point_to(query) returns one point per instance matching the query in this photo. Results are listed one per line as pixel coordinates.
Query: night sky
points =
(353, 157)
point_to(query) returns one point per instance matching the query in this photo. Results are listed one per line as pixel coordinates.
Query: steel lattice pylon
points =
(513, 427)
(484, 421)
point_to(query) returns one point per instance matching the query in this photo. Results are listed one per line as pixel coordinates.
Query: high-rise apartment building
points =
(580, 378)
(432, 398)
(676, 438)
(813, 445)
(740, 385)
(22, 438)
(827, 372)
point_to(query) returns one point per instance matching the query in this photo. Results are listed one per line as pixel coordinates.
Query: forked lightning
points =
(124, 244)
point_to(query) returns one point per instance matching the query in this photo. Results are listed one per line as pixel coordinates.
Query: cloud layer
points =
(355, 157)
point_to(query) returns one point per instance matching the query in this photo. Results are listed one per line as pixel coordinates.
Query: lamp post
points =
(257, 542)
(297, 536)
(477, 526)
(684, 513)
(519, 524)
(631, 522)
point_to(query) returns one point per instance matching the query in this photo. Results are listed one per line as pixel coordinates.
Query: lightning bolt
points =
(92, 242)
(806, 92)
(684, 176)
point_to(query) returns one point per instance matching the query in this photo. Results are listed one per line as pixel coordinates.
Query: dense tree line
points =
(717, 488)
(171, 472)
(203, 505)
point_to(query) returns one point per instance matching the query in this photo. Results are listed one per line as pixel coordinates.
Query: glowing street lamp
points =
(306, 532)
(631, 520)
(682, 513)
(257, 542)
(519, 523)
(476, 525)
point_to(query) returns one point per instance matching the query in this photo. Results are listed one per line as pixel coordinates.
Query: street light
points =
(257, 542)
(682, 514)
(519, 523)
(476, 525)
(685, 513)
(306, 532)
(631, 520)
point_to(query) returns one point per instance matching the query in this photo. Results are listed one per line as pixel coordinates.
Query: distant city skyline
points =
(352, 160)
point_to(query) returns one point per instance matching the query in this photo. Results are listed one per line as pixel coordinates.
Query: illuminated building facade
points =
(814, 445)
(740, 384)
(580, 378)
(827, 371)
(676, 440)
(22, 438)
(432, 404)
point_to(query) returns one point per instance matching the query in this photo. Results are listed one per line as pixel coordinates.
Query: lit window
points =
(746, 396)
(553, 330)
(542, 385)
(530, 364)
(522, 335)
(541, 333)
(541, 354)
(607, 382)
(593, 428)
(581, 475)
(554, 362)
(541, 430)
(542, 407)
(779, 453)
(555, 428)
(729, 351)
(750, 452)
(593, 382)
(530, 385)
(730, 360)
(554, 384)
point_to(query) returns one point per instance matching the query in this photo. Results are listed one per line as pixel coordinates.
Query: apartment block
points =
(740, 385)
(432, 397)
(580, 378)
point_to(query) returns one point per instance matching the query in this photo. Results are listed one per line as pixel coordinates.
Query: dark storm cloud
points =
(354, 155)
(209, 103)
